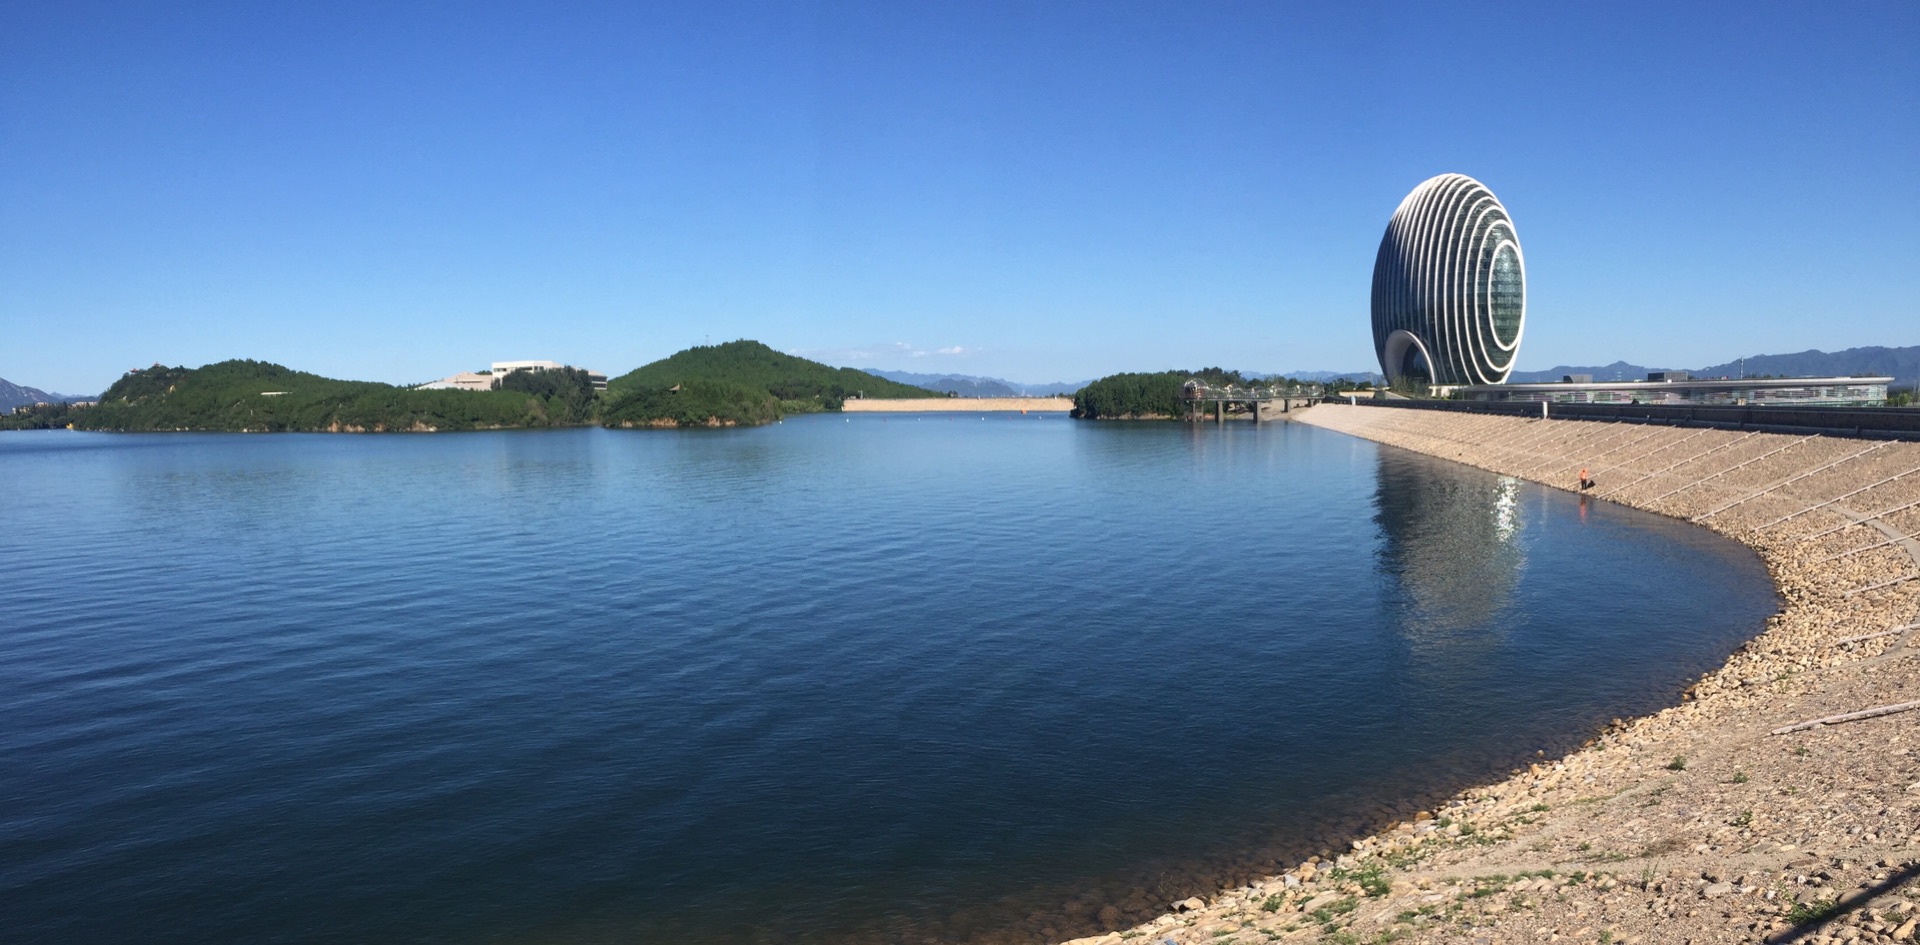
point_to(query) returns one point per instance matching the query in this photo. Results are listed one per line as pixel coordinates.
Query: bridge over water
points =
(1220, 400)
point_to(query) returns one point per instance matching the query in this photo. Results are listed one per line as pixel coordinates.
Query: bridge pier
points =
(1258, 403)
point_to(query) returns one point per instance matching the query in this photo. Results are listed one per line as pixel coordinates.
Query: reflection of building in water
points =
(1452, 541)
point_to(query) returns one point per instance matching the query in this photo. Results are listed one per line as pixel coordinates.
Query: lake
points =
(866, 678)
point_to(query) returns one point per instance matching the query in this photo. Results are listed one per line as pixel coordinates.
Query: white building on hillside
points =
(483, 380)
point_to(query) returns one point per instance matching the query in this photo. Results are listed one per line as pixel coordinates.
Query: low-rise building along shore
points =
(1725, 818)
(1678, 388)
(483, 380)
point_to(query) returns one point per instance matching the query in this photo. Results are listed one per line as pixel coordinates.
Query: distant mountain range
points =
(1902, 364)
(967, 385)
(1324, 376)
(13, 395)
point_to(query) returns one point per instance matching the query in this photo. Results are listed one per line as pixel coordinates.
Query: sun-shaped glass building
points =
(1449, 287)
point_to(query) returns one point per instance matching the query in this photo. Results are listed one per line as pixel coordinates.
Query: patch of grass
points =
(1803, 751)
(1584, 847)
(1679, 763)
(1273, 904)
(1740, 777)
(1539, 808)
(1606, 937)
(1819, 910)
(1489, 885)
(1373, 880)
(1325, 915)
(1350, 937)
(1745, 819)
(1401, 859)
(1665, 846)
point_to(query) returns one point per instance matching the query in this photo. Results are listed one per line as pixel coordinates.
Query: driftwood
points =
(1846, 717)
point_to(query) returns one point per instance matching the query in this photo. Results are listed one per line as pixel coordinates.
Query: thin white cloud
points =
(881, 353)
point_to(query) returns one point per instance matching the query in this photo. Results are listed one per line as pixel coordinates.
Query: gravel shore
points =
(1696, 824)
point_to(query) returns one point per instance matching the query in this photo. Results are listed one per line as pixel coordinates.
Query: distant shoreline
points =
(961, 405)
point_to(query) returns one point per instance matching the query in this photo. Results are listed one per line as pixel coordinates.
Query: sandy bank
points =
(1695, 824)
(961, 405)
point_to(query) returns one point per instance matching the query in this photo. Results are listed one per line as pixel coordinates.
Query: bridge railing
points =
(1198, 391)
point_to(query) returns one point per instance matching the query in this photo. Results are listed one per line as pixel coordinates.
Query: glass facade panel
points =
(1509, 294)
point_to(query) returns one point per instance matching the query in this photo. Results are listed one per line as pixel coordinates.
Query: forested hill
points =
(1150, 396)
(799, 384)
(256, 396)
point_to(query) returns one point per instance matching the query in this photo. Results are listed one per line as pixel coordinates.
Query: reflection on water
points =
(853, 680)
(1452, 542)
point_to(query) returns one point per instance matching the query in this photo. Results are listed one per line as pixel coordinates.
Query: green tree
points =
(1133, 396)
(257, 396)
(799, 384)
(692, 404)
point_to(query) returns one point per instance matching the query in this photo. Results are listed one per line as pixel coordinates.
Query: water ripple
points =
(825, 681)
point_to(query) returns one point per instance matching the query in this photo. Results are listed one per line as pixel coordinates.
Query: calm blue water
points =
(868, 678)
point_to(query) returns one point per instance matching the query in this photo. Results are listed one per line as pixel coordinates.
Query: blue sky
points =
(393, 191)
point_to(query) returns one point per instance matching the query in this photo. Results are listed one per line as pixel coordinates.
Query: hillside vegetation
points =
(1131, 397)
(1154, 396)
(799, 385)
(741, 383)
(697, 403)
(257, 396)
(42, 417)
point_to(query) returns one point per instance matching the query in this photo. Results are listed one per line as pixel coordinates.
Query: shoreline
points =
(1694, 823)
(960, 405)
